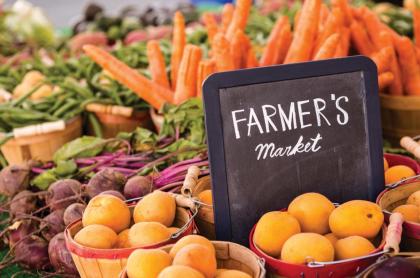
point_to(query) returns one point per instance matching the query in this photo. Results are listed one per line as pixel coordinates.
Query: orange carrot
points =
(373, 25)
(418, 54)
(271, 51)
(332, 25)
(221, 53)
(344, 45)
(396, 87)
(227, 14)
(344, 6)
(186, 86)
(360, 39)
(151, 92)
(383, 59)
(157, 65)
(251, 59)
(178, 44)
(211, 25)
(324, 14)
(296, 18)
(301, 47)
(416, 26)
(240, 17)
(237, 49)
(205, 68)
(385, 80)
(328, 49)
(409, 67)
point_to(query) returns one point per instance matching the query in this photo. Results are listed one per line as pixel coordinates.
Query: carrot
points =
(360, 39)
(237, 50)
(396, 87)
(301, 47)
(211, 25)
(332, 25)
(328, 49)
(344, 45)
(418, 54)
(251, 59)
(324, 14)
(221, 53)
(409, 67)
(382, 59)
(178, 44)
(240, 17)
(344, 6)
(205, 68)
(373, 24)
(271, 51)
(296, 18)
(157, 65)
(416, 25)
(385, 80)
(227, 14)
(151, 92)
(186, 86)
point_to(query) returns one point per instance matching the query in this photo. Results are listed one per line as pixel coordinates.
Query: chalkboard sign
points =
(276, 132)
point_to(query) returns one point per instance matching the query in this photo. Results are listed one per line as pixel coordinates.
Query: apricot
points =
(386, 165)
(158, 206)
(332, 238)
(147, 233)
(173, 230)
(107, 210)
(96, 236)
(312, 210)
(190, 239)
(180, 271)
(352, 247)
(304, 247)
(147, 263)
(356, 218)
(273, 229)
(414, 199)
(409, 212)
(231, 273)
(397, 173)
(206, 197)
(122, 239)
(199, 257)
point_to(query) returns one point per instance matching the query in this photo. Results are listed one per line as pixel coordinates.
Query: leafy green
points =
(84, 146)
(141, 139)
(43, 180)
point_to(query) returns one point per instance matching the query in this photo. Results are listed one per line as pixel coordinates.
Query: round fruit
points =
(206, 197)
(122, 239)
(231, 273)
(332, 238)
(107, 210)
(158, 206)
(409, 212)
(199, 257)
(312, 210)
(180, 271)
(306, 247)
(147, 233)
(273, 229)
(147, 263)
(414, 199)
(96, 236)
(173, 230)
(386, 165)
(356, 218)
(352, 247)
(190, 239)
(397, 173)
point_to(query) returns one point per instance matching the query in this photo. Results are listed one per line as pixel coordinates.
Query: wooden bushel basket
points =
(232, 256)
(108, 263)
(41, 145)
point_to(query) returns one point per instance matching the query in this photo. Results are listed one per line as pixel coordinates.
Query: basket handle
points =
(190, 181)
(38, 129)
(185, 202)
(110, 109)
(411, 146)
(186, 225)
(393, 234)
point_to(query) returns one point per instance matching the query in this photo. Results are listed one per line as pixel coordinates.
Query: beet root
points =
(32, 252)
(63, 193)
(60, 256)
(138, 186)
(23, 203)
(73, 212)
(114, 193)
(19, 230)
(104, 180)
(53, 224)
(13, 179)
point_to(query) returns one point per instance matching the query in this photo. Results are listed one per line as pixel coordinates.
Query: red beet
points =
(32, 252)
(104, 180)
(136, 36)
(73, 212)
(114, 193)
(138, 186)
(13, 179)
(60, 256)
(63, 193)
(23, 203)
(19, 230)
(396, 267)
(53, 224)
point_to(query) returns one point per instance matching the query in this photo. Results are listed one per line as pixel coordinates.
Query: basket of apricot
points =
(399, 167)
(195, 256)
(315, 238)
(110, 230)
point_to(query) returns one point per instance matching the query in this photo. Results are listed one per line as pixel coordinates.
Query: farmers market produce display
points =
(118, 195)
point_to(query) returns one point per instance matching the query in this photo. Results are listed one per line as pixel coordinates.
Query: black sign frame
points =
(214, 124)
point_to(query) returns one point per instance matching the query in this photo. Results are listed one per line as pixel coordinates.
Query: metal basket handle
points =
(403, 181)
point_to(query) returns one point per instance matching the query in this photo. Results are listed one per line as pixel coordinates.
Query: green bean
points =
(96, 126)
(21, 99)
(63, 109)
(56, 105)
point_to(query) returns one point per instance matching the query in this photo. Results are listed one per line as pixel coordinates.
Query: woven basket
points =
(108, 263)
(232, 256)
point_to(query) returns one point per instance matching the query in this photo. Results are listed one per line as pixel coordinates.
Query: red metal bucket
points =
(396, 159)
